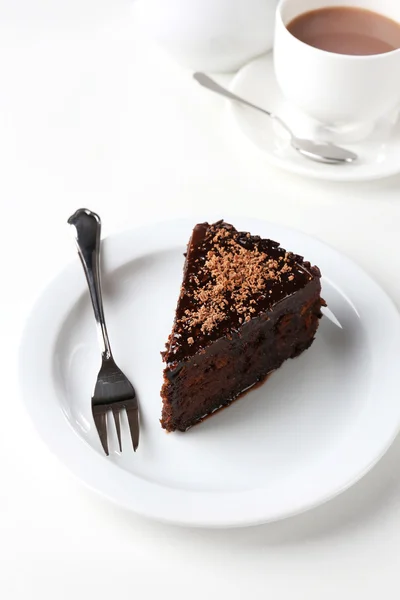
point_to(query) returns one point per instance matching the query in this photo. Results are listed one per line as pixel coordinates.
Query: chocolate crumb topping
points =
(230, 277)
(232, 274)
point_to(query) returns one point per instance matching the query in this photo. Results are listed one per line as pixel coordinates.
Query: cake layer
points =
(214, 378)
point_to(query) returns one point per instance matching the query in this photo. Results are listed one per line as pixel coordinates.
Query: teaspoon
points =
(324, 152)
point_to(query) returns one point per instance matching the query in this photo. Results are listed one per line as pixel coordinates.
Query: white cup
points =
(338, 90)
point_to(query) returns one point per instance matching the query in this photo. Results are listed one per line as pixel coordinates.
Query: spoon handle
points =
(212, 85)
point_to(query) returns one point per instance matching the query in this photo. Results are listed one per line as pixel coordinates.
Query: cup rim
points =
(337, 55)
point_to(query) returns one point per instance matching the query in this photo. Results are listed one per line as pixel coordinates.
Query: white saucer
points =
(312, 430)
(256, 82)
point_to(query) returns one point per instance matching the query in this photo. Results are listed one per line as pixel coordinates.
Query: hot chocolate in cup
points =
(348, 95)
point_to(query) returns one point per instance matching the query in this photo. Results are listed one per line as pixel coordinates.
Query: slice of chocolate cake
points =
(246, 305)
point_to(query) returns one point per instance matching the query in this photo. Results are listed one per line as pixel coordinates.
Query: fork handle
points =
(87, 226)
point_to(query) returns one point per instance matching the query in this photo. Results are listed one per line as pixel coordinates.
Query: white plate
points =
(378, 155)
(312, 430)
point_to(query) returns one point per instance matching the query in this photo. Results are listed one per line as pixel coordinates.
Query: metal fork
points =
(113, 391)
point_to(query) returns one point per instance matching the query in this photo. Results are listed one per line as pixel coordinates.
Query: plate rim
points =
(190, 518)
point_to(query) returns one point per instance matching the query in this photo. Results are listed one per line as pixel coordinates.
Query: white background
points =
(92, 114)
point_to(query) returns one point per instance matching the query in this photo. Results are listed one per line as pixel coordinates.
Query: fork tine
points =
(117, 426)
(133, 420)
(101, 426)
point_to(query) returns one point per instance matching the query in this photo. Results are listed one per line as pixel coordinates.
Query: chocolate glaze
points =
(276, 290)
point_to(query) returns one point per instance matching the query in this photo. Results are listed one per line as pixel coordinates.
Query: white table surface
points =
(92, 114)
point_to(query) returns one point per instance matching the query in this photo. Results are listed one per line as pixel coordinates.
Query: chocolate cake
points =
(245, 306)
